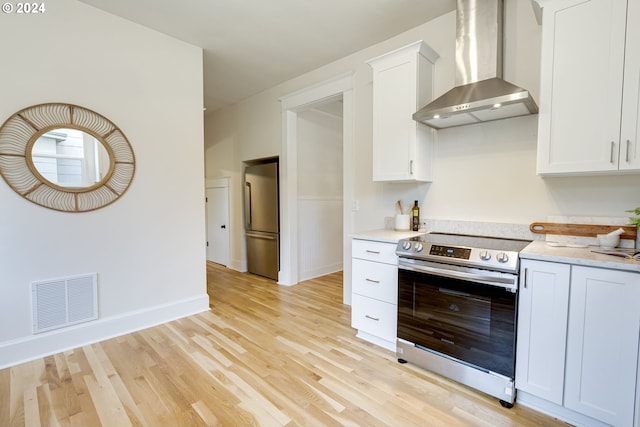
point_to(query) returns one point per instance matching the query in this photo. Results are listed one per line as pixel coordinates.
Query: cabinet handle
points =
(628, 149)
(377, 319)
(372, 281)
(410, 167)
(524, 279)
(369, 251)
(613, 146)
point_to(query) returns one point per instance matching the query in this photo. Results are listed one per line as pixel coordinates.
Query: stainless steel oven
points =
(457, 305)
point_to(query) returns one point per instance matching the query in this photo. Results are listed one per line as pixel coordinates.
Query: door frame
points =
(325, 92)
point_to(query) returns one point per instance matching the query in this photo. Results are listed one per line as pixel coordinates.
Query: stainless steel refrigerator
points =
(261, 219)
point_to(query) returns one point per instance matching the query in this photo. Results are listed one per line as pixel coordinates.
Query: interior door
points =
(218, 225)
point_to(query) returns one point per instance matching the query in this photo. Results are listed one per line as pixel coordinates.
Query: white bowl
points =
(608, 242)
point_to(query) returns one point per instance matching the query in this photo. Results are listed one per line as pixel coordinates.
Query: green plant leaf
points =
(635, 220)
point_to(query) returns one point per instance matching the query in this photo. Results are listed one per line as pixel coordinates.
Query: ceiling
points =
(252, 45)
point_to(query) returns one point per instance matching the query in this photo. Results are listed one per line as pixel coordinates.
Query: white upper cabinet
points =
(402, 83)
(589, 87)
(630, 131)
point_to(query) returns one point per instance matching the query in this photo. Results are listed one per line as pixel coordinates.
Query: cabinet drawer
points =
(374, 251)
(374, 317)
(375, 280)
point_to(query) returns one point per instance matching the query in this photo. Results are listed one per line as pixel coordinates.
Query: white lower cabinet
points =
(602, 344)
(374, 301)
(578, 342)
(543, 303)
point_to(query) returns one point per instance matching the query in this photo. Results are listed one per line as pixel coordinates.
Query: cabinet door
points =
(543, 303)
(394, 131)
(602, 345)
(581, 86)
(630, 132)
(402, 82)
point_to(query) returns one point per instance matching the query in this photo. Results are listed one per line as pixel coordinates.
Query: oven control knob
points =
(485, 255)
(418, 247)
(502, 257)
(406, 246)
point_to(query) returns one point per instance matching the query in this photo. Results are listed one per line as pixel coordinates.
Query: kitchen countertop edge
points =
(385, 235)
(539, 250)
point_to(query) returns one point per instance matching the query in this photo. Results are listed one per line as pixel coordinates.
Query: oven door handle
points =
(509, 282)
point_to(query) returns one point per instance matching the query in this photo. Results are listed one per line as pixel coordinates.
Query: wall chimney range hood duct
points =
(480, 95)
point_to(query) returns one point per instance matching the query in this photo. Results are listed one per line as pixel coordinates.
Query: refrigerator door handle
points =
(262, 236)
(247, 204)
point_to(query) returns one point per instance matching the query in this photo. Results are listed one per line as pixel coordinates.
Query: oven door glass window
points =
(468, 321)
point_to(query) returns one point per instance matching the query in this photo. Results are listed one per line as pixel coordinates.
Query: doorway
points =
(320, 197)
(326, 92)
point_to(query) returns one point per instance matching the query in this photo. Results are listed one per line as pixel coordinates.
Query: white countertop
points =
(540, 250)
(385, 235)
(536, 250)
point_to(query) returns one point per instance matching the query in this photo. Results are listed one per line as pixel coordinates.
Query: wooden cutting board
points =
(586, 230)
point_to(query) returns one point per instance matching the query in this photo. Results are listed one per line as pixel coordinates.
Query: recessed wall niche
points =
(65, 157)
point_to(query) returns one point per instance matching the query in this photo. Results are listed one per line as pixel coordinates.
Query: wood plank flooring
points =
(265, 355)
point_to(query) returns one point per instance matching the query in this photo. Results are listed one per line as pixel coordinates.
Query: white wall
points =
(148, 248)
(483, 172)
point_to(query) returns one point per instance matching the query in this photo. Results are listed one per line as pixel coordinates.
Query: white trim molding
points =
(339, 87)
(37, 346)
(217, 182)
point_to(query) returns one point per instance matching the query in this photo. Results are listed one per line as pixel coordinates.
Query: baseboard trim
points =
(37, 346)
(237, 265)
(391, 346)
(556, 411)
(320, 271)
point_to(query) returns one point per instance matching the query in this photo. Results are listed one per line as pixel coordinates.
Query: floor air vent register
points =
(63, 302)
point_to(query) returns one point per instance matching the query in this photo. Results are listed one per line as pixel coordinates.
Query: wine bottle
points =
(415, 216)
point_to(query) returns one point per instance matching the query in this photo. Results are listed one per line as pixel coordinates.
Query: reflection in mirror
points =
(70, 158)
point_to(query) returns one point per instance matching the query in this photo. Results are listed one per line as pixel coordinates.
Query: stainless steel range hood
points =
(480, 95)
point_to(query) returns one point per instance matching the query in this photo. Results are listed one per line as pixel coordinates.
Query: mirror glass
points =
(70, 158)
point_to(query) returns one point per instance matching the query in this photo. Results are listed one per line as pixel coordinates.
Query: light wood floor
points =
(264, 355)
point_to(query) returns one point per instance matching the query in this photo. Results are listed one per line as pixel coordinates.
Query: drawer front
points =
(374, 317)
(375, 280)
(374, 251)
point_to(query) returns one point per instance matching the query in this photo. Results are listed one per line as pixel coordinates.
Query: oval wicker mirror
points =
(65, 157)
